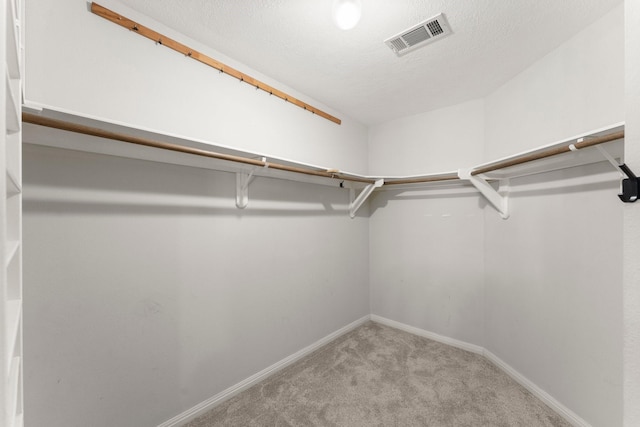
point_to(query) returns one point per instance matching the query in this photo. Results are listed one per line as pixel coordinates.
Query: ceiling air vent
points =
(419, 35)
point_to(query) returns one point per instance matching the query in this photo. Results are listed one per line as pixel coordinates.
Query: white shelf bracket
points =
(356, 202)
(242, 189)
(611, 160)
(499, 199)
(243, 180)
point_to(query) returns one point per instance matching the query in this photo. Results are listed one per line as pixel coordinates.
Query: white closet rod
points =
(425, 179)
(329, 173)
(87, 130)
(584, 143)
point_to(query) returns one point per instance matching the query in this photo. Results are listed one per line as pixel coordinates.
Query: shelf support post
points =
(356, 202)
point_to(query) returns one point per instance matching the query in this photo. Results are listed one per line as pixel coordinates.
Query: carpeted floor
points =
(380, 376)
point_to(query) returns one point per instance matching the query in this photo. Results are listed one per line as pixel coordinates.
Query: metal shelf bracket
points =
(630, 184)
(499, 198)
(356, 202)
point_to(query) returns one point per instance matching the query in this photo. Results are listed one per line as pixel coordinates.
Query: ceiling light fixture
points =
(346, 13)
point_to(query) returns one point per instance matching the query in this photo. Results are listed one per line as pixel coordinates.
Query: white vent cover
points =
(426, 32)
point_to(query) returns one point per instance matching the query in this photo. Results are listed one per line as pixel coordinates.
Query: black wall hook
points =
(629, 185)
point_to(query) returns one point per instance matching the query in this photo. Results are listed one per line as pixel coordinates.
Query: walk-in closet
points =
(327, 213)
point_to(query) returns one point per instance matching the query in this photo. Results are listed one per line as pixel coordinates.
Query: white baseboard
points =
(431, 335)
(549, 400)
(214, 401)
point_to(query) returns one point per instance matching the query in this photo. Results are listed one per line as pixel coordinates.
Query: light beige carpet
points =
(379, 376)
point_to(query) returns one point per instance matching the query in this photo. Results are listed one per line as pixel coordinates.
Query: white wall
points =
(437, 141)
(554, 268)
(576, 88)
(553, 288)
(81, 62)
(632, 220)
(543, 289)
(426, 265)
(148, 292)
(144, 278)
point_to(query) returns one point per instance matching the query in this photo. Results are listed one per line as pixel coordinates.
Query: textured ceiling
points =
(354, 72)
